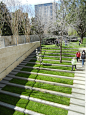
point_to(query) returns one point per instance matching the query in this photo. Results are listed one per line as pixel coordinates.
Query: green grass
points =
(42, 85)
(7, 111)
(51, 67)
(49, 72)
(46, 78)
(34, 106)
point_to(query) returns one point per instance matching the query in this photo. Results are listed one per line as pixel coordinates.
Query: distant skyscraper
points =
(46, 13)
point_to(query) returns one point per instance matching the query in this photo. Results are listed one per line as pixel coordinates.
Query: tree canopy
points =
(76, 15)
(5, 18)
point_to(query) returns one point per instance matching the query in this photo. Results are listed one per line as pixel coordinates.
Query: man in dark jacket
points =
(83, 58)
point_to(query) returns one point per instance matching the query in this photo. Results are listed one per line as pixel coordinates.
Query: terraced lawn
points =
(44, 87)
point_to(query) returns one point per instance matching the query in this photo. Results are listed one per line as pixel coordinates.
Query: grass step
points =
(45, 64)
(40, 68)
(59, 53)
(27, 60)
(19, 109)
(37, 89)
(36, 100)
(54, 56)
(49, 75)
(58, 50)
(49, 69)
(42, 81)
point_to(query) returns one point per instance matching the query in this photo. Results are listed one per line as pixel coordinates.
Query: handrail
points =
(15, 60)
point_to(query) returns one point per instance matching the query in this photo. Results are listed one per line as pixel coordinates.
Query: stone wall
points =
(12, 40)
(11, 56)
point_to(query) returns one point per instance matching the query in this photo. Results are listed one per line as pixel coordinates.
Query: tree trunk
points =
(40, 43)
(61, 51)
(81, 38)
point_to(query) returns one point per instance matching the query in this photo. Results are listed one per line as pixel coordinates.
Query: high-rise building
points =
(46, 13)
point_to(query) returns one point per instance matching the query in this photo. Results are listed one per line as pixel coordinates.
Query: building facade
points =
(47, 14)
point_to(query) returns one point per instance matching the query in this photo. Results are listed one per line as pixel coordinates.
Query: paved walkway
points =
(78, 102)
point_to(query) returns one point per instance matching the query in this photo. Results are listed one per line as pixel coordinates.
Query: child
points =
(73, 61)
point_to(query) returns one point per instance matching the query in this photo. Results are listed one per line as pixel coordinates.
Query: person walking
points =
(73, 61)
(78, 55)
(83, 58)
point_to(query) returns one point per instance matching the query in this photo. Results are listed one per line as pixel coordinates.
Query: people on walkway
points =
(83, 58)
(78, 55)
(74, 61)
(83, 51)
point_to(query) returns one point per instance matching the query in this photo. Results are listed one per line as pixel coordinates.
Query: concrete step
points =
(38, 89)
(77, 102)
(44, 60)
(79, 82)
(77, 108)
(42, 81)
(78, 96)
(59, 50)
(56, 48)
(80, 78)
(78, 91)
(37, 100)
(2, 85)
(79, 86)
(74, 113)
(49, 69)
(59, 53)
(54, 56)
(40, 68)
(80, 74)
(19, 109)
(49, 64)
(49, 75)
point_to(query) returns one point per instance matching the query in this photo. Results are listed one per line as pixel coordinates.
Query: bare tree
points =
(38, 28)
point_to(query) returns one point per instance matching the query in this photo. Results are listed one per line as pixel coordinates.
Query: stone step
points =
(49, 69)
(77, 108)
(59, 50)
(2, 85)
(59, 53)
(26, 111)
(7, 78)
(48, 64)
(79, 86)
(37, 89)
(74, 113)
(42, 81)
(54, 56)
(56, 48)
(78, 96)
(80, 74)
(49, 75)
(78, 91)
(77, 102)
(79, 82)
(37, 100)
(79, 78)
(45, 60)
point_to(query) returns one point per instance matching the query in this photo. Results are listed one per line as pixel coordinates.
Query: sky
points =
(32, 2)
(13, 5)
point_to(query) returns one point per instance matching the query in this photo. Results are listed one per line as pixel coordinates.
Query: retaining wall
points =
(11, 56)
